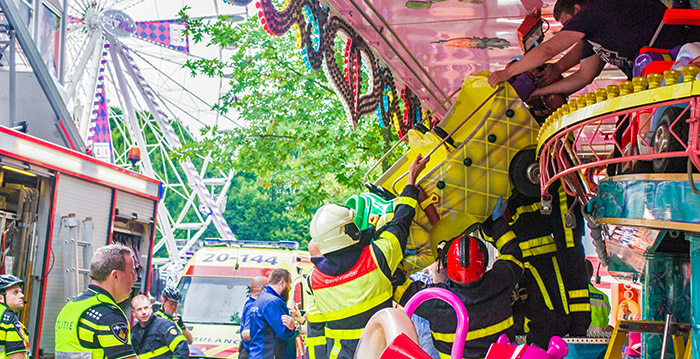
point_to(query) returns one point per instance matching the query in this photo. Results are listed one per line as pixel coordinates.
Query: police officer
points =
(92, 324)
(170, 298)
(351, 280)
(486, 294)
(154, 337)
(13, 336)
(600, 306)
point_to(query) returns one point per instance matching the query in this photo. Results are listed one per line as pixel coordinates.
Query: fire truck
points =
(57, 206)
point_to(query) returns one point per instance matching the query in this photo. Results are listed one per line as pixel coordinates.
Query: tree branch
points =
(290, 68)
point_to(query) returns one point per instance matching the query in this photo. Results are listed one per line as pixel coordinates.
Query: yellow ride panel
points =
(469, 177)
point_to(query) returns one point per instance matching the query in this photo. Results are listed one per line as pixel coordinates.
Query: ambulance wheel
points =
(665, 141)
(524, 173)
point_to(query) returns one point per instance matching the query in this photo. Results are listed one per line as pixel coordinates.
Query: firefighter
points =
(315, 341)
(486, 294)
(170, 298)
(13, 335)
(351, 279)
(154, 337)
(92, 324)
(600, 317)
(555, 273)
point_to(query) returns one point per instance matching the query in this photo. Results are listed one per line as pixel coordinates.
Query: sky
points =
(190, 97)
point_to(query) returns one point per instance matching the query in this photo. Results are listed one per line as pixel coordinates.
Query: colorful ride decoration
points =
(467, 172)
(642, 135)
(640, 126)
(503, 348)
(390, 333)
(388, 109)
(475, 43)
(316, 32)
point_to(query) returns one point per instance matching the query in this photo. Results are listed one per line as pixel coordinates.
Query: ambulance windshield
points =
(213, 300)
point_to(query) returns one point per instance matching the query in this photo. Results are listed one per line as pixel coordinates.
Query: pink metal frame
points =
(560, 159)
(456, 303)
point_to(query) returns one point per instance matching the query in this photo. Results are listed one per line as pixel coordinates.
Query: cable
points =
(139, 54)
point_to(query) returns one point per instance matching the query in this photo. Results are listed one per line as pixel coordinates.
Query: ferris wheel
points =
(125, 87)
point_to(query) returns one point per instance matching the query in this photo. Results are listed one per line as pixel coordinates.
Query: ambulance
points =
(214, 286)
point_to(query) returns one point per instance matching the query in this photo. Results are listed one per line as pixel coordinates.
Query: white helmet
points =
(333, 228)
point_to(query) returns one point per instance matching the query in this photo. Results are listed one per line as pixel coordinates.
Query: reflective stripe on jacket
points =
(160, 339)
(346, 301)
(488, 303)
(13, 335)
(600, 309)
(68, 332)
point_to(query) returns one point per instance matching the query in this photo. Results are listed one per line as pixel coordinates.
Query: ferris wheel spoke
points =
(188, 91)
(126, 4)
(79, 7)
(124, 85)
(76, 29)
(87, 49)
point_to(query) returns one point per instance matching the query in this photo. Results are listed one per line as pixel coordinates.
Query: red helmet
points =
(466, 260)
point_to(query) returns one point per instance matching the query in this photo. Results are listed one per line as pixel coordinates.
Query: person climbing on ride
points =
(351, 280)
(610, 31)
(485, 294)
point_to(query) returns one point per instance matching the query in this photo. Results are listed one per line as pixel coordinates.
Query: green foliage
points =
(258, 213)
(293, 137)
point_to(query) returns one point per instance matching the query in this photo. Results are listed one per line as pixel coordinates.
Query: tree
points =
(257, 213)
(294, 137)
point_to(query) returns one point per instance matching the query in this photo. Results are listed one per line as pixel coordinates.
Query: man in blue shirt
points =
(272, 329)
(256, 286)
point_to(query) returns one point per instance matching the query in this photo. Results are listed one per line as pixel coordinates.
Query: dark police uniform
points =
(13, 336)
(92, 326)
(169, 317)
(160, 338)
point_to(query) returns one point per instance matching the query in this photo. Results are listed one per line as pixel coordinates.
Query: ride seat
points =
(656, 60)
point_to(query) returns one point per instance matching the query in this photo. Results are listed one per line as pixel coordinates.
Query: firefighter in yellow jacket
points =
(351, 280)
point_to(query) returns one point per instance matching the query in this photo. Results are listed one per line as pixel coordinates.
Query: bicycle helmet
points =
(171, 293)
(8, 280)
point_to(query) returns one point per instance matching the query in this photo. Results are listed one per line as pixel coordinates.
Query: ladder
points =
(75, 264)
(677, 331)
